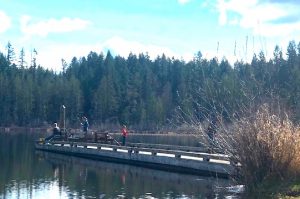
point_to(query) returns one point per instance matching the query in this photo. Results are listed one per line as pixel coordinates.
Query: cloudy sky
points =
(66, 28)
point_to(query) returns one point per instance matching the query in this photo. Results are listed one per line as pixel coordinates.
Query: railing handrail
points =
(132, 148)
(173, 147)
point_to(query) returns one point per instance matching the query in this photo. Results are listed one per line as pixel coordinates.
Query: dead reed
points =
(266, 145)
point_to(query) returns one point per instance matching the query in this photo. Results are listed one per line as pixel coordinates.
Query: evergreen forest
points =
(142, 92)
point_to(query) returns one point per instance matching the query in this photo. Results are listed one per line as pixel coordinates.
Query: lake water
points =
(27, 173)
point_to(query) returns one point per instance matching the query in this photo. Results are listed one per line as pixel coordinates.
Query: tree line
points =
(141, 92)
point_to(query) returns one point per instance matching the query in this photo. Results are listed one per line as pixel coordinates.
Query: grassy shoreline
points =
(288, 189)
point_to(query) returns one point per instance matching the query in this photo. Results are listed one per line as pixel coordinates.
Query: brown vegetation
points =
(266, 145)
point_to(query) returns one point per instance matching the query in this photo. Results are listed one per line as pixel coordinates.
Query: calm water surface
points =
(27, 173)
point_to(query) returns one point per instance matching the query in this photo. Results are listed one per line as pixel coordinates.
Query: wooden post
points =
(105, 137)
(64, 118)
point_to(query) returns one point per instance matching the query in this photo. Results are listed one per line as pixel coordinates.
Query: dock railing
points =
(183, 152)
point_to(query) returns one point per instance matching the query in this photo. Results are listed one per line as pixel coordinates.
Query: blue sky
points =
(65, 28)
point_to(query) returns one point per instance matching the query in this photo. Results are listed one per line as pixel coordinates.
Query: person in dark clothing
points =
(55, 132)
(211, 132)
(85, 125)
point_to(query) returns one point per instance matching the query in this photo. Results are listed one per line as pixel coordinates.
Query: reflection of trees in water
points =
(22, 169)
(96, 178)
(19, 166)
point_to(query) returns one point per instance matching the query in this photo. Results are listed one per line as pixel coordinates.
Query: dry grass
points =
(263, 140)
(266, 145)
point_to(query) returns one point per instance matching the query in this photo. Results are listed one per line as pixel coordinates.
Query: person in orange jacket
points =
(124, 134)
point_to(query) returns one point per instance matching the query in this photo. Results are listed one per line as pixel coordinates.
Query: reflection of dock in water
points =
(120, 169)
(171, 158)
(133, 176)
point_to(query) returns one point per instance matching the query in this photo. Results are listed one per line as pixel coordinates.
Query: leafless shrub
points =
(264, 144)
(259, 136)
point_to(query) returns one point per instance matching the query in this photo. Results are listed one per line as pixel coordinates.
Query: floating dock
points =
(192, 160)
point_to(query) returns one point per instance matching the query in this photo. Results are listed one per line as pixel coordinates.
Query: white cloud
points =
(49, 56)
(183, 1)
(120, 46)
(43, 28)
(263, 17)
(2, 49)
(5, 22)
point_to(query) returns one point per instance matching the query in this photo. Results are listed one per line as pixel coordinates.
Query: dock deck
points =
(192, 160)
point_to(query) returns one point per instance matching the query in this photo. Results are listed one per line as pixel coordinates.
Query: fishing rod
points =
(115, 140)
